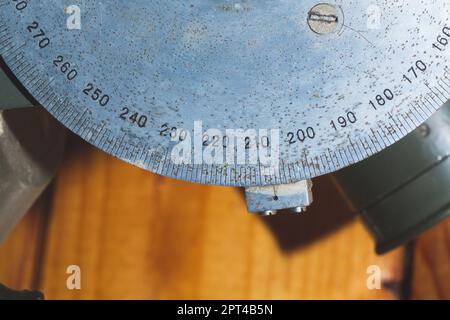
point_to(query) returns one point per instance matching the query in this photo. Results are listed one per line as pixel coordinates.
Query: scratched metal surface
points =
(233, 65)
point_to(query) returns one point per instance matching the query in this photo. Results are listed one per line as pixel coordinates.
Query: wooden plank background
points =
(141, 236)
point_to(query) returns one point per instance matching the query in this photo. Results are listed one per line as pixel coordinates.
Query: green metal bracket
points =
(10, 96)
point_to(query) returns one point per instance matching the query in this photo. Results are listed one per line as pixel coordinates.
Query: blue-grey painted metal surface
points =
(137, 71)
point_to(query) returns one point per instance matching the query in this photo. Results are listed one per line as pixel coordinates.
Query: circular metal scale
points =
(324, 85)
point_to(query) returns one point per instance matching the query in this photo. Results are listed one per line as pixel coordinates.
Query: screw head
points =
(268, 213)
(423, 130)
(298, 210)
(324, 18)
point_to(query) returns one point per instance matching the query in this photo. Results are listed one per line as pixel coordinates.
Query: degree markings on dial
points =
(389, 129)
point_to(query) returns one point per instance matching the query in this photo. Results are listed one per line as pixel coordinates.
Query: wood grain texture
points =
(137, 235)
(432, 264)
(20, 254)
